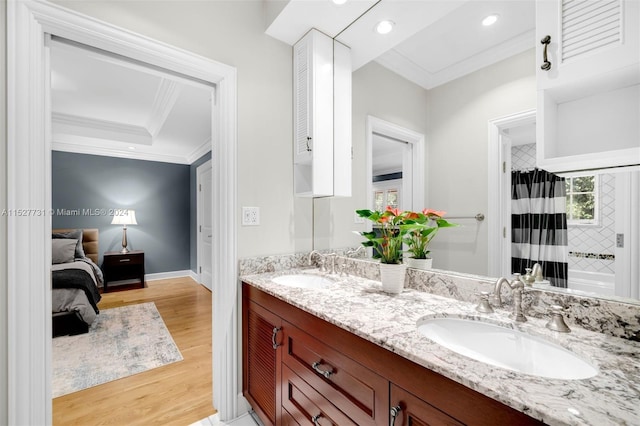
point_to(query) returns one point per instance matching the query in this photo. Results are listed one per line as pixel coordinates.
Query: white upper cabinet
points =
(322, 100)
(589, 90)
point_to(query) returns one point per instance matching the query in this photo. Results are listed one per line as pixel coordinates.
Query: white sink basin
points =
(506, 348)
(303, 281)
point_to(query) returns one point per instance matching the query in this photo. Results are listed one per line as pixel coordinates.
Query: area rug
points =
(121, 342)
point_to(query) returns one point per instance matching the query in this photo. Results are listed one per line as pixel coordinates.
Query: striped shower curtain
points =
(539, 224)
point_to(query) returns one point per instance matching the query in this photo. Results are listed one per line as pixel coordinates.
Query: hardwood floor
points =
(175, 394)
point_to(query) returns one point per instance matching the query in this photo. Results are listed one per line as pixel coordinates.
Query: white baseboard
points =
(167, 275)
(161, 276)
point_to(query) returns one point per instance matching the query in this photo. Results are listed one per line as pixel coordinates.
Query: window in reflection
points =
(582, 200)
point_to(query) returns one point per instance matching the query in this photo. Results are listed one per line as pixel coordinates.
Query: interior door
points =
(205, 235)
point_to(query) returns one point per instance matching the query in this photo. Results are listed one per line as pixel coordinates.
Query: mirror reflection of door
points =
(395, 161)
(391, 177)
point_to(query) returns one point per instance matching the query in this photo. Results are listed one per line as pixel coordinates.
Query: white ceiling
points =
(433, 42)
(105, 105)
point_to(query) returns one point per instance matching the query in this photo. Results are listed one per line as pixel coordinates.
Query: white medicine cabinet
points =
(322, 116)
(588, 76)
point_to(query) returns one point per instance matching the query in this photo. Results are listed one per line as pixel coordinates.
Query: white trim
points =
(68, 124)
(417, 140)
(167, 275)
(163, 103)
(29, 186)
(199, 151)
(499, 202)
(83, 148)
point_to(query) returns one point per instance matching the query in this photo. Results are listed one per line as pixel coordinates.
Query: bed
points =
(75, 280)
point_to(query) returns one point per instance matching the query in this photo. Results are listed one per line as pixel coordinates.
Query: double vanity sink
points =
(580, 377)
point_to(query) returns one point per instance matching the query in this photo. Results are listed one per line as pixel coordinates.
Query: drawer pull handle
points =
(125, 260)
(394, 413)
(546, 65)
(273, 337)
(325, 373)
(315, 419)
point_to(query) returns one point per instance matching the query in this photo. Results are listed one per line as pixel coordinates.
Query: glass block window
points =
(582, 200)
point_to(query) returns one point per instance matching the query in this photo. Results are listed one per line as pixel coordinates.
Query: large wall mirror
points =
(448, 81)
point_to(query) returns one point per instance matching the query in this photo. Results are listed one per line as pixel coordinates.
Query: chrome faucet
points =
(517, 288)
(321, 264)
(352, 253)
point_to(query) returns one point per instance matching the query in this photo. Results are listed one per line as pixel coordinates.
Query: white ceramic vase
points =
(424, 264)
(392, 277)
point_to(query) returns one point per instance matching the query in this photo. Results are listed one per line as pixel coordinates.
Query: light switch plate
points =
(251, 216)
(357, 219)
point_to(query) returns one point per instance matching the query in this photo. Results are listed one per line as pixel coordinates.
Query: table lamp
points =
(124, 218)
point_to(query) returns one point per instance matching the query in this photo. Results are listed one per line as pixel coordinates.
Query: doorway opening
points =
(395, 166)
(30, 24)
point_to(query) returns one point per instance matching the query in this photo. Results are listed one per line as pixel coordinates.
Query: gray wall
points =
(193, 215)
(158, 192)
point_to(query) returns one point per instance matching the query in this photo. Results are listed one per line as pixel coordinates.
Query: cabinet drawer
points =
(124, 259)
(305, 406)
(357, 391)
(415, 412)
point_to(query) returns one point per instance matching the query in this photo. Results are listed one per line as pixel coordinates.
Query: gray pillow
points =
(63, 250)
(72, 235)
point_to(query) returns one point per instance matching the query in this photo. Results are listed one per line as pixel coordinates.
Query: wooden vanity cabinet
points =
(261, 352)
(364, 383)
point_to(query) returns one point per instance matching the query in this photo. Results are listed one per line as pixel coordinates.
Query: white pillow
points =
(63, 250)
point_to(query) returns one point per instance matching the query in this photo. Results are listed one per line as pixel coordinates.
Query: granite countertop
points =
(359, 306)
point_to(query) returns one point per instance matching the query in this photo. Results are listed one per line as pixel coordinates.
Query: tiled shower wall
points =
(591, 248)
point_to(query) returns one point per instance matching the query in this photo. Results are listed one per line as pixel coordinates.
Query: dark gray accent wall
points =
(193, 198)
(92, 185)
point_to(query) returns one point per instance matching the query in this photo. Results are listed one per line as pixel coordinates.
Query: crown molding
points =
(166, 97)
(99, 129)
(199, 151)
(398, 63)
(83, 148)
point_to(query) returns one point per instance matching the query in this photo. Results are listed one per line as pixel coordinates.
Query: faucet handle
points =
(556, 322)
(484, 305)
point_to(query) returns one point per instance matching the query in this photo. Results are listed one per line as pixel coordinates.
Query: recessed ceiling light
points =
(384, 27)
(338, 2)
(132, 148)
(490, 20)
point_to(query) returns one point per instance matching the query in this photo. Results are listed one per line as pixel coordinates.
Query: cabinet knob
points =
(546, 65)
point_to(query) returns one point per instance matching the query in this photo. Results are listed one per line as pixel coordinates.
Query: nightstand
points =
(123, 266)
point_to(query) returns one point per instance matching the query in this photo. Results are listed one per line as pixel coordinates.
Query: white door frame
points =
(202, 168)
(416, 162)
(499, 203)
(29, 187)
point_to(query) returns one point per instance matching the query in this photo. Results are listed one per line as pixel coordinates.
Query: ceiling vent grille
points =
(589, 25)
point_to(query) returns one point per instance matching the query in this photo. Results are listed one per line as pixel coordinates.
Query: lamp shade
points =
(124, 217)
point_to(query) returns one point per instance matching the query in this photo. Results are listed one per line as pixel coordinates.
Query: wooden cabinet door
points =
(262, 340)
(587, 39)
(409, 410)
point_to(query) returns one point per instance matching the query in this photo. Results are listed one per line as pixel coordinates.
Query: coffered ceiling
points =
(106, 105)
